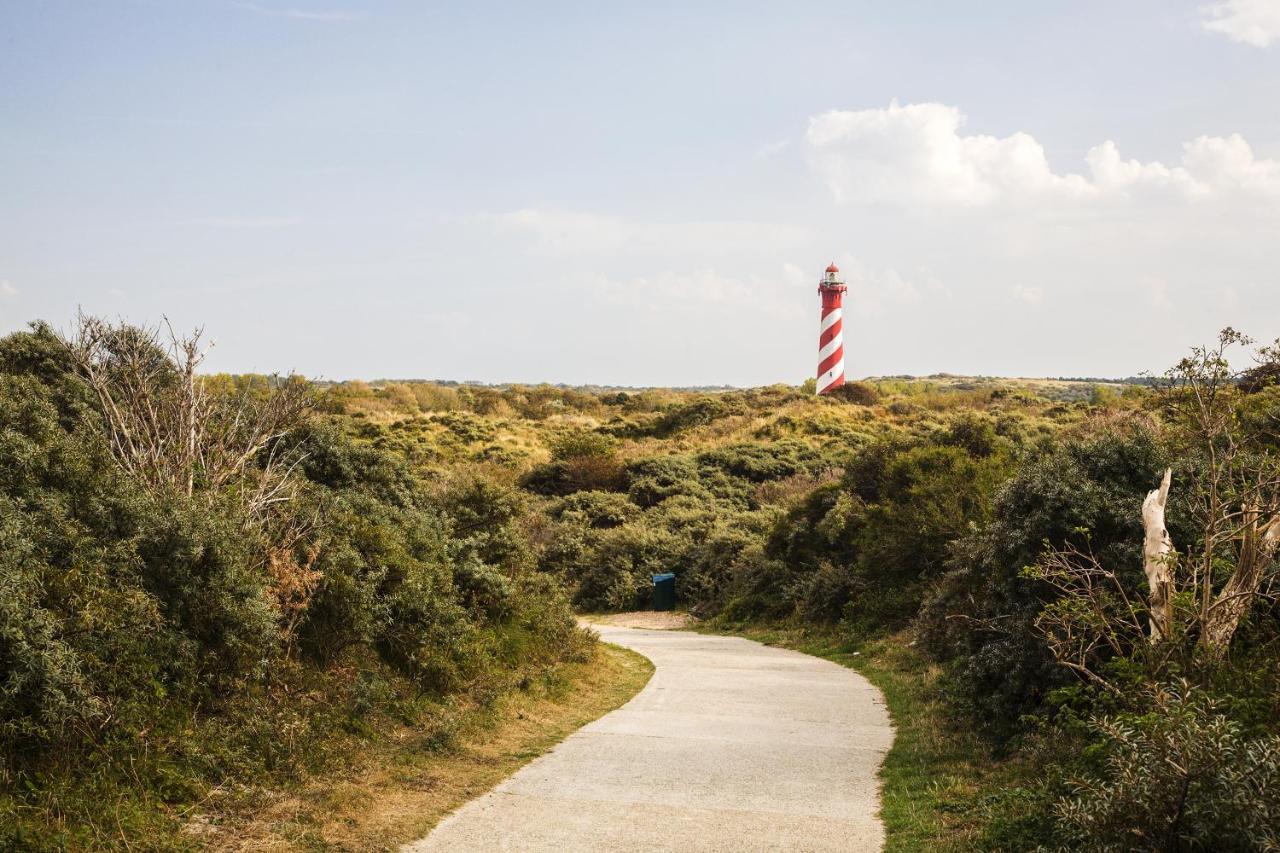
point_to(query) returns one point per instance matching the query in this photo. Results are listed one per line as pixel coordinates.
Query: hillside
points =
(354, 568)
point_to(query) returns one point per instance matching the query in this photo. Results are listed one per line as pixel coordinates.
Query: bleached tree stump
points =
(1258, 544)
(1157, 560)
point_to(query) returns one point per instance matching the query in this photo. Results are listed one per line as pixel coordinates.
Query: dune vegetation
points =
(186, 621)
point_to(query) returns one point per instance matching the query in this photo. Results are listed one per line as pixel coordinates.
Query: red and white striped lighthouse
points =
(830, 336)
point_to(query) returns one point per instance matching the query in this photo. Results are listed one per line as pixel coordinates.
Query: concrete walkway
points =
(732, 746)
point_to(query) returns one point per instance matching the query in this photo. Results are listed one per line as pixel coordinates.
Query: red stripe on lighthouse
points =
(831, 361)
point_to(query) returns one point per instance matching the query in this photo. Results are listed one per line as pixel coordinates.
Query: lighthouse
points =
(830, 337)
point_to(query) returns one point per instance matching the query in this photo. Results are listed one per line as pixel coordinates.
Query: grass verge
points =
(937, 779)
(397, 789)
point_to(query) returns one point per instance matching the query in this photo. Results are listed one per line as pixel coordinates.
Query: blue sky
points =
(646, 194)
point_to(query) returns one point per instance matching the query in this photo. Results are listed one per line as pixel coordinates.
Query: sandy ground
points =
(732, 746)
(656, 620)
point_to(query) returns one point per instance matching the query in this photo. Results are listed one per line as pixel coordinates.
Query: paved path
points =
(732, 746)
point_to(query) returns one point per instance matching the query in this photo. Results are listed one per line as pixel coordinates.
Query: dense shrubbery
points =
(935, 510)
(155, 642)
(1179, 776)
(981, 617)
(435, 533)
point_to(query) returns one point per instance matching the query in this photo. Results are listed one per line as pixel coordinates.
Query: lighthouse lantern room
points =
(830, 332)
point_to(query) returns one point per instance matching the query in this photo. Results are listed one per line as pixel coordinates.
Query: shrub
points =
(652, 480)
(582, 443)
(1180, 777)
(581, 460)
(618, 572)
(981, 617)
(467, 427)
(759, 463)
(435, 398)
(156, 641)
(857, 393)
(700, 412)
(594, 509)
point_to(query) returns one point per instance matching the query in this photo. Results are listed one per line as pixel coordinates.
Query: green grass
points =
(366, 788)
(396, 789)
(936, 778)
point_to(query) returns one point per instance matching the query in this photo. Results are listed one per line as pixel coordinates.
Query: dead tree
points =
(172, 429)
(209, 440)
(1195, 600)
(1157, 561)
(1255, 556)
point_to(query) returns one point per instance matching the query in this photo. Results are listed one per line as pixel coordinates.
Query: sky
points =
(646, 193)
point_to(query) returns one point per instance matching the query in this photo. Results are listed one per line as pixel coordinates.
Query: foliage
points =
(430, 536)
(160, 635)
(1181, 776)
(981, 618)
(858, 393)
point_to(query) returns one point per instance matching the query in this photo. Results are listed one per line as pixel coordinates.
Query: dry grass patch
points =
(397, 790)
(661, 620)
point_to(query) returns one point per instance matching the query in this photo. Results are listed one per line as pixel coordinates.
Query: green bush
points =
(154, 644)
(858, 393)
(981, 617)
(699, 412)
(758, 463)
(652, 480)
(1181, 776)
(618, 572)
(595, 509)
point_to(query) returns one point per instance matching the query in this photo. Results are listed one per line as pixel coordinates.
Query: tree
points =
(1195, 600)
(171, 430)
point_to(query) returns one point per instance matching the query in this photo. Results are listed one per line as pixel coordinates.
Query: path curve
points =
(732, 746)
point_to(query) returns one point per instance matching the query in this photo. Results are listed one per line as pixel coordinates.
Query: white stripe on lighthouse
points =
(829, 320)
(832, 345)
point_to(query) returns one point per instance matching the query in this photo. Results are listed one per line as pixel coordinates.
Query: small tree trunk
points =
(1257, 549)
(1157, 560)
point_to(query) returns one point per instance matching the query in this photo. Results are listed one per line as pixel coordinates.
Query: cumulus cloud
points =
(1254, 22)
(917, 154)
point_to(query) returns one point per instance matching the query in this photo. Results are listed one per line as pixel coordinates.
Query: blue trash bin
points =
(664, 592)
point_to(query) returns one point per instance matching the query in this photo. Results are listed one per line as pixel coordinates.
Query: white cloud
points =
(563, 233)
(7, 290)
(248, 222)
(916, 154)
(670, 290)
(772, 149)
(1229, 163)
(1254, 22)
(878, 292)
(301, 14)
(1028, 294)
(1157, 291)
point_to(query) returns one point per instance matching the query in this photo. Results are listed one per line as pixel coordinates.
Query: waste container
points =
(664, 592)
